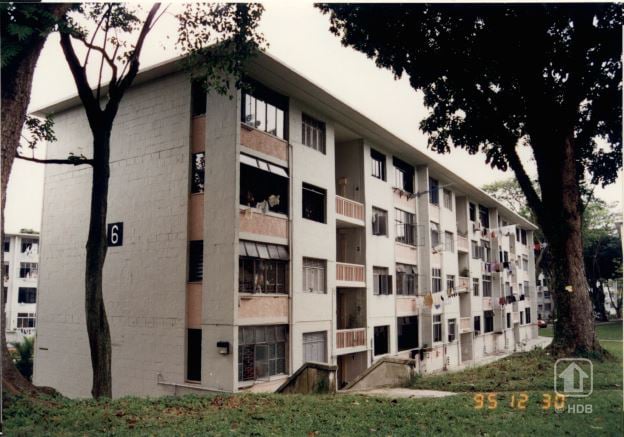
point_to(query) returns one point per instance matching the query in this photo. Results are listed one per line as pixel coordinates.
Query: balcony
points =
(462, 244)
(263, 142)
(350, 275)
(464, 325)
(350, 338)
(463, 284)
(349, 212)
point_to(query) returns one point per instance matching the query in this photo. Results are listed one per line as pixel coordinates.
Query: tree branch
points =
(74, 161)
(513, 159)
(92, 106)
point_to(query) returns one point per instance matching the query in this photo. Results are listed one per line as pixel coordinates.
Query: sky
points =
(298, 35)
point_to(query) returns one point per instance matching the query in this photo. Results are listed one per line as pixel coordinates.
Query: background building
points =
(21, 267)
(270, 229)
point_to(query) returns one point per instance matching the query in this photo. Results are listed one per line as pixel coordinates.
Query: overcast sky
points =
(298, 35)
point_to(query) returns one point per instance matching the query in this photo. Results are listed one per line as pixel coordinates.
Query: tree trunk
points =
(97, 322)
(16, 86)
(574, 332)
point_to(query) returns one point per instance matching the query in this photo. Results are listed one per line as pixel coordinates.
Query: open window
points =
(380, 340)
(262, 351)
(406, 279)
(407, 332)
(264, 110)
(263, 185)
(403, 175)
(314, 201)
(263, 268)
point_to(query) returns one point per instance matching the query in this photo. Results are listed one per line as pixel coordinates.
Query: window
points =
(313, 133)
(315, 347)
(447, 197)
(196, 261)
(193, 354)
(450, 282)
(198, 98)
(525, 263)
(5, 293)
(378, 161)
(7, 245)
(313, 203)
(403, 175)
(435, 235)
(451, 330)
(486, 251)
(449, 242)
(380, 343)
(527, 317)
(407, 279)
(314, 275)
(526, 287)
(26, 320)
(30, 246)
(475, 286)
(27, 295)
(382, 281)
(263, 185)
(508, 316)
(380, 222)
(264, 110)
(434, 192)
(405, 227)
(198, 167)
(522, 317)
(488, 321)
(436, 280)
(5, 270)
(523, 236)
(487, 285)
(546, 294)
(261, 351)
(262, 268)
(475, 249)
(437, 328)
(472, 212)
(547, 306)
(518, 234)
(477, 323)
(407, 332)
(484, 216)
(28, 270)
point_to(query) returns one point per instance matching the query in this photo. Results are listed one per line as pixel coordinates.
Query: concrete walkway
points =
(400, 392)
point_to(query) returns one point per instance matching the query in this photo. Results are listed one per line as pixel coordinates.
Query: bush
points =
(23, 356)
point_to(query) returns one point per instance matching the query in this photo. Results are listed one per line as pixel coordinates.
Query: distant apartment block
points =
(20, 272)
(270, 229)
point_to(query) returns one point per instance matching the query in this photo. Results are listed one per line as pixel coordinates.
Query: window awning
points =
(406, 268)
(262, 250)
(263, 165)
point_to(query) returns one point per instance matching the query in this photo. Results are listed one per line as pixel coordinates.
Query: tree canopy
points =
(499, 77)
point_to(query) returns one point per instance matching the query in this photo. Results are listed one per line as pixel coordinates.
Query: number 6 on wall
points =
(115, 234)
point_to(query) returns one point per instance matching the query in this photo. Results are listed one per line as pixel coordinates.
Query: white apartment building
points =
(20, 272)
(263, 231)
(545, 304)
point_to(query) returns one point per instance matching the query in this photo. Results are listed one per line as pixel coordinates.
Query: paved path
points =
(400, 392)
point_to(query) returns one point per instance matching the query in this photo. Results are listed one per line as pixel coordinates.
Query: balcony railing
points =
(26, 331)
(349, 272)
(462, 243)
(350, 338)
(349, 208)
(464, 325)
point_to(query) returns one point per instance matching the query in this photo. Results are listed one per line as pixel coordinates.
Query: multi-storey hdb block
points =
(255, 232)
(19, 288)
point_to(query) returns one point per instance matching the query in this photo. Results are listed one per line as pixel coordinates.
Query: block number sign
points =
(115, 234)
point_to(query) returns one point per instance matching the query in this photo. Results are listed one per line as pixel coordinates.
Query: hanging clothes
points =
(428, 300)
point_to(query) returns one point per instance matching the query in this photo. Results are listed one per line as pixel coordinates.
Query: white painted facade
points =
(150, 302)
(21, 262)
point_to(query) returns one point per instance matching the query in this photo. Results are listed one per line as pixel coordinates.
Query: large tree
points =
(496, 78)
(25, 28)
(216, 39)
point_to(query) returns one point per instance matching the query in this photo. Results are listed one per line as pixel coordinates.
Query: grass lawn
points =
(297, 415)
(606, 331)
